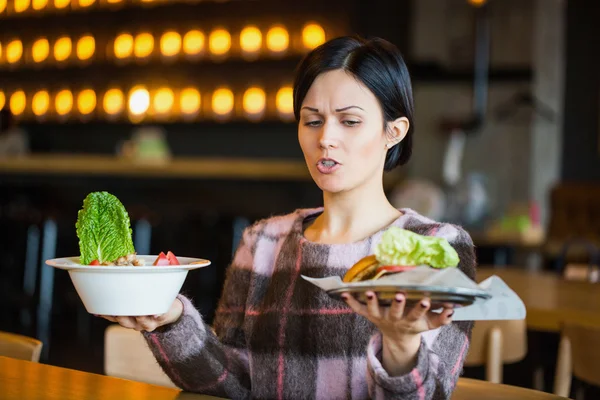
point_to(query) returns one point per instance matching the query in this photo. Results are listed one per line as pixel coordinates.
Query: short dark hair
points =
(377, 64)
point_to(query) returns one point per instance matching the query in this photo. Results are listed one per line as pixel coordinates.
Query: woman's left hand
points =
(400, 327)
(397, 322)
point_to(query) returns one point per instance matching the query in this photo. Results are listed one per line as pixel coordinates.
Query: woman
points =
(278, 336)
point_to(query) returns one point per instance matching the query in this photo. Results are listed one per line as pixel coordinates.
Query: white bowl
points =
(131, 291)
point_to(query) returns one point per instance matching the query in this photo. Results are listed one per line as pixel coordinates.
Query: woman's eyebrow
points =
(337, 109)
(347, 108)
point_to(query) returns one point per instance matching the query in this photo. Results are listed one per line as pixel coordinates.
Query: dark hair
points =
(378, 65)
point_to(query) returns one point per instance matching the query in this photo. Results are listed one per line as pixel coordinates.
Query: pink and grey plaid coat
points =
(276, 336)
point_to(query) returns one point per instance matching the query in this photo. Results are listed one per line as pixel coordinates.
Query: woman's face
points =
(341, 133)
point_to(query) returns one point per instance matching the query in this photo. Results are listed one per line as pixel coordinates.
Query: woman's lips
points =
(328, 165)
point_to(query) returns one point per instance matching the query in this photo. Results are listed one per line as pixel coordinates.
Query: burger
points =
(369, 268)
(401, 250)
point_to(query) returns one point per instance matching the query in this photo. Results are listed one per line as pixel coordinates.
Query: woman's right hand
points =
(149, 323)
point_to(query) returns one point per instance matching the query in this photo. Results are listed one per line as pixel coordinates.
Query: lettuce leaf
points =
(103, 229)
(402, 247)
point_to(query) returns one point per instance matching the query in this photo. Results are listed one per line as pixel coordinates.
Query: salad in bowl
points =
(109, 276)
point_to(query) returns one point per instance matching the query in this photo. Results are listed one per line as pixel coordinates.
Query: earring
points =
(389, 145)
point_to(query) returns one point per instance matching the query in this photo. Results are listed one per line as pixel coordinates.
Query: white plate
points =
(187, 263)
(414, 293)
(128, 290)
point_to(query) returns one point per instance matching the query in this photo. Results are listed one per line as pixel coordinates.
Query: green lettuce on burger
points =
(401, 250)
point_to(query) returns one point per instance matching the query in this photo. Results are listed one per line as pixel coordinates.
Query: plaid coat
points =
(277, 336)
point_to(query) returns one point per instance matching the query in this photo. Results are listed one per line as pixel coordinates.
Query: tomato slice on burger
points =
(395, 268)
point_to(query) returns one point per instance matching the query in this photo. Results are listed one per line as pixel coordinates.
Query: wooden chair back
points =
(127, 355)
(20, 347)
(579, 356)
(495, 343)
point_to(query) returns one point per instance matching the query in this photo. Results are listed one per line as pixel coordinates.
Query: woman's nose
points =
(328, 138)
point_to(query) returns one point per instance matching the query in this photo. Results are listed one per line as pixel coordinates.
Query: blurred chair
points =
(579, 271)
(495, 343)
(573, 232)
(579, 356)
(19, 346)
(20, 219)
(127, 355)
(582, 273)
(35, 306)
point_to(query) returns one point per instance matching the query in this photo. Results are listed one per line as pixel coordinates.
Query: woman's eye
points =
(312, 123)
(351, 123)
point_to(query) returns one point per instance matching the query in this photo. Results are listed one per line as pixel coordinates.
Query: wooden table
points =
(472, 389)
(549, 298)
(503, 245)
(24, 380)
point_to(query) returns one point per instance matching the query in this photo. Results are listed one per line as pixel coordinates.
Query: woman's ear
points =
(396, 131)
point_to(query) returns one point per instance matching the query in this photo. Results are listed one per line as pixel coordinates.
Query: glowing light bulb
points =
(250, 39)
(21, 5)
(40, 50)
(254, 101)
(219, 42)
(86, 46)
(313, 35)
(193, 43)
(14, 51)
(222, 101)
(17, 102)
(86, 101)
(123, 46)
(170, 44)
(284, 101)
(63, 48)
(40, 103)
(477, 3)
(278, 39)
(63, 103)
(38, 5)
(163, 101)
(189, 101)
(58, 4)
(143, 45)
(113, 101)
(139, 101)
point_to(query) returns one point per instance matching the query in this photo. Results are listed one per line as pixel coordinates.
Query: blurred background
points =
(183, 110)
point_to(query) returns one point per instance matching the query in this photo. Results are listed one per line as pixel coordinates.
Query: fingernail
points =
(156, 316)
(451, 314)
(423, 304)
(399, 298)
(345, 297)
(370, 296)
